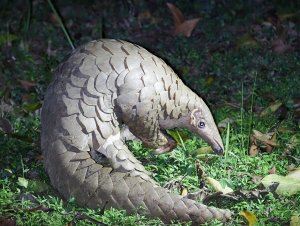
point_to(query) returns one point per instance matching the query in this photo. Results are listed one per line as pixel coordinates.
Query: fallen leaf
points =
(247, 41)
(37, 186)
(269, 97)
(4, 107)
(178, 135)
(5, 126)
(22, 182)
(278, 46)
(203, 150)
(273, 18)
(80, 216)
(265, 138)
(24, 138)
(147, 17)
(27, 84)
(199, 170)
(296, 103)
(285, 130)
(272, 170)
(7, 38)
(178, 17)
(287, 185)
(270, 109)
(291, 167)
(286, 16)
(29, 108)
(9, 171)
(295, 220)
(253, 150)
(182, 26)
(269, 147)
(295, 173)
(209, 80)
(53, 19)
(217, 186)
(39, 208)
(257, 179)
(296, 107)
(7, 221)
(224, 122)
(28, 197)
(187, 27)
(184, 191)
(250, 217)
(144, 16)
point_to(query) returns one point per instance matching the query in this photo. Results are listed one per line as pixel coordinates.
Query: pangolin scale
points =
(108, 91)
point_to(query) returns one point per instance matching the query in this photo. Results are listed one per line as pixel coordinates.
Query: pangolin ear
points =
(196, 114)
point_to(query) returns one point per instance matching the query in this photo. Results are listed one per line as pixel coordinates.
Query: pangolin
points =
(106, 92)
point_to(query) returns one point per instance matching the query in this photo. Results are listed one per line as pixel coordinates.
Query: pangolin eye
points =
(201, 125)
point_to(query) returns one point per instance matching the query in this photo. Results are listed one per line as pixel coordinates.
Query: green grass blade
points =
(242, 118)
(63, 27)
(251, 110)
(227, 140)
(28, 18)
(181, 141)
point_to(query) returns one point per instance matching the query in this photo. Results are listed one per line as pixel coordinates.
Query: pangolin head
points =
(203, 123)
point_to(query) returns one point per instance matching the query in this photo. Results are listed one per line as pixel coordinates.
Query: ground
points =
(242, 57)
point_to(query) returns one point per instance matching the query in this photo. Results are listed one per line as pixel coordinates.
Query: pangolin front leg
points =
(145, 125)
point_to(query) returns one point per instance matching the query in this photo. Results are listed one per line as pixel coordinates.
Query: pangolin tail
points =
(122, 184)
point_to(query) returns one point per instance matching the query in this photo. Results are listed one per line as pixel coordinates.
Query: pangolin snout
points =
(218, 148)
(219, 151)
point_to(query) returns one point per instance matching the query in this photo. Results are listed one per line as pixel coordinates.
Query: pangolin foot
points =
(166, 148)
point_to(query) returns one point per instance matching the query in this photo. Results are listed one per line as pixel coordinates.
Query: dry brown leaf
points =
(187, 27)
(296, 103)
(217, 186)
(269, 97)
(7, 221)
(147, 17)
(27, 84)
(199, 170)
(176, 13)
(296, 106)
(278, 46)
(53, 19)
(269, 147)
(265, 138)
(5, 126)
(272, 170)
(253, 150)
(182, 26)
(272, 108)
(257, 179)
(285, 130)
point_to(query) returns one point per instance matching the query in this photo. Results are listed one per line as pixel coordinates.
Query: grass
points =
(236, 80)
